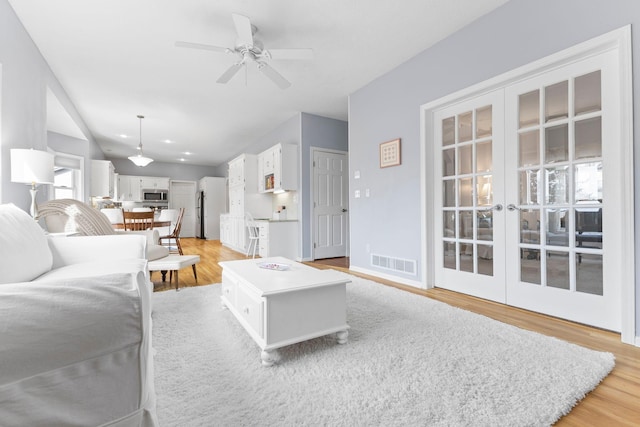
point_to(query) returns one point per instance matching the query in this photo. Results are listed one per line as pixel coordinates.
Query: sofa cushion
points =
(24, 251)
(94, 269)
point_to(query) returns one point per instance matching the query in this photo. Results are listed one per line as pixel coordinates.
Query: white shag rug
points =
(409, 361)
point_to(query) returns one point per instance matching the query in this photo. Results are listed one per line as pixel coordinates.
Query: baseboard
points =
(408, 282)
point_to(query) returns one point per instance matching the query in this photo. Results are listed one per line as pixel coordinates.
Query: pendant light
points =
(140, 159)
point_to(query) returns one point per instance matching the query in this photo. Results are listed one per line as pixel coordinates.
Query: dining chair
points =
(137, 220)
(254, 234)
(174, 235)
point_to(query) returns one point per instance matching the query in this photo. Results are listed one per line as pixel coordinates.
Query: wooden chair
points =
(135, 221)
(175, 236)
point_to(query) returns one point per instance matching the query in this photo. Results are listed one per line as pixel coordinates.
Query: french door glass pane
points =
(530, 266)
(485, 260)
(449, 224)
(465, 187)
(465, 156)
(557, 227)
(529, 109)
(484, 122)
(465, 126)
(466, 257)
(484, 158)
(556, 102)
(588, 138)
(449, 255)
(558, 269)
(587, 93)
(485, 225)
(449, 193)
(529, 187)
(466, 225)
(530, 226)
(484, 190)
(448, 131)
(588, 182)
(589, 273)
(529, 148)
(557, 190)
(448, 162)
(556, 144)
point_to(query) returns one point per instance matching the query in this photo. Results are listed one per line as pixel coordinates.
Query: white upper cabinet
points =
(129, 188)
(102, 178)
(154, 183)
(278, 168)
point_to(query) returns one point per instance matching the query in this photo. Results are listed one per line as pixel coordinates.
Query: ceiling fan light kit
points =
(248, 49)
(139, 159)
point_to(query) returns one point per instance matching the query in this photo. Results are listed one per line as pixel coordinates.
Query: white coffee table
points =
(283, 307)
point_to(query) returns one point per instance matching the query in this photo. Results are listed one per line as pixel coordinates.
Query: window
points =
(68, 177)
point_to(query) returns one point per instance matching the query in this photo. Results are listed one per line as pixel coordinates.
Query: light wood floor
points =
(615, 402)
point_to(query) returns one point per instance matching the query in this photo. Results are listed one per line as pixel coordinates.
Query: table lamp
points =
(31, 167)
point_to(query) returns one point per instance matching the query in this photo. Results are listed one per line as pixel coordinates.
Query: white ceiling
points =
(116, 59)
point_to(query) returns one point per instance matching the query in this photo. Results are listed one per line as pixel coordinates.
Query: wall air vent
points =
(407, 266)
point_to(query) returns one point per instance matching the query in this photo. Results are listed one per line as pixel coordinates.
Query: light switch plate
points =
(356, 194)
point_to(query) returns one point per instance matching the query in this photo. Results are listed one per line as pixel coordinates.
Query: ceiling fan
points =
(248, 49)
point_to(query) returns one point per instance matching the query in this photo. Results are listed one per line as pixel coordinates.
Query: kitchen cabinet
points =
(102, 179)
(278, 238)
(278, 169)
(154, 183)
(129, 188)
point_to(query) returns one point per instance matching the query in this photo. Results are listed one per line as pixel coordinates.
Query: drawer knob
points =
(246, 310)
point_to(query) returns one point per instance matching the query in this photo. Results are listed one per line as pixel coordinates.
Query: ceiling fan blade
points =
(243, 28)
(290, 53)
(231, 71)
(275, 76)
(201, 46)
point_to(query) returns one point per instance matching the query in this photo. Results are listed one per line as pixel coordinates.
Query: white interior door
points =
(530, 192)
(563, 193)
(330, 204)
(182, 194)
(469, 197)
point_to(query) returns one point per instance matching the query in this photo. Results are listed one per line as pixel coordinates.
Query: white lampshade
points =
(140, 160)
(31, 166)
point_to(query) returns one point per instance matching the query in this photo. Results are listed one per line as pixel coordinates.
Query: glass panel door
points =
(557, 192)
(471, 214)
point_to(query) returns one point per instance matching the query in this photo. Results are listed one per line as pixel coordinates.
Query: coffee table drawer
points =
(251, 310)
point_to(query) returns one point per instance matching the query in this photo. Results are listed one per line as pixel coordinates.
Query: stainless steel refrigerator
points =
(212, 202)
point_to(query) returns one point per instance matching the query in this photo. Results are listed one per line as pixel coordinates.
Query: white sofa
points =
(75, 316)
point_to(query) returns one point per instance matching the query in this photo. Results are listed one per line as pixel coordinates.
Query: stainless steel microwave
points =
(155, 195)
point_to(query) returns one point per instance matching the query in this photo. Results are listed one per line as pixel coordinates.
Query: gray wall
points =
(319, 132)
(25, 78)
(519, 32)
(306, 131)
(175, 171)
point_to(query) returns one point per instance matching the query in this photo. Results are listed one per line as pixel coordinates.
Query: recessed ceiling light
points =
(168, 141)
(183, 160)
(188, 153)
(123, 136)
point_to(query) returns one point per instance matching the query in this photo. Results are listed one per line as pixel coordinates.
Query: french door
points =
(529, 191)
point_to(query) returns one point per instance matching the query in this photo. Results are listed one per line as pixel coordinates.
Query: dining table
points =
(156, 224)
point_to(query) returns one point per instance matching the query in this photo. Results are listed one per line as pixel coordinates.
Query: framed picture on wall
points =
(390, 153)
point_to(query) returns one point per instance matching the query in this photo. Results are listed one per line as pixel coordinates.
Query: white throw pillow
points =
(24, 251)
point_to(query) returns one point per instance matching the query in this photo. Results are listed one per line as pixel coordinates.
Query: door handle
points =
(344, 210)
(496, 207)
(512, 207)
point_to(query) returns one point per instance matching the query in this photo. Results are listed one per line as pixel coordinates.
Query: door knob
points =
(344, 210)
(496, 207)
